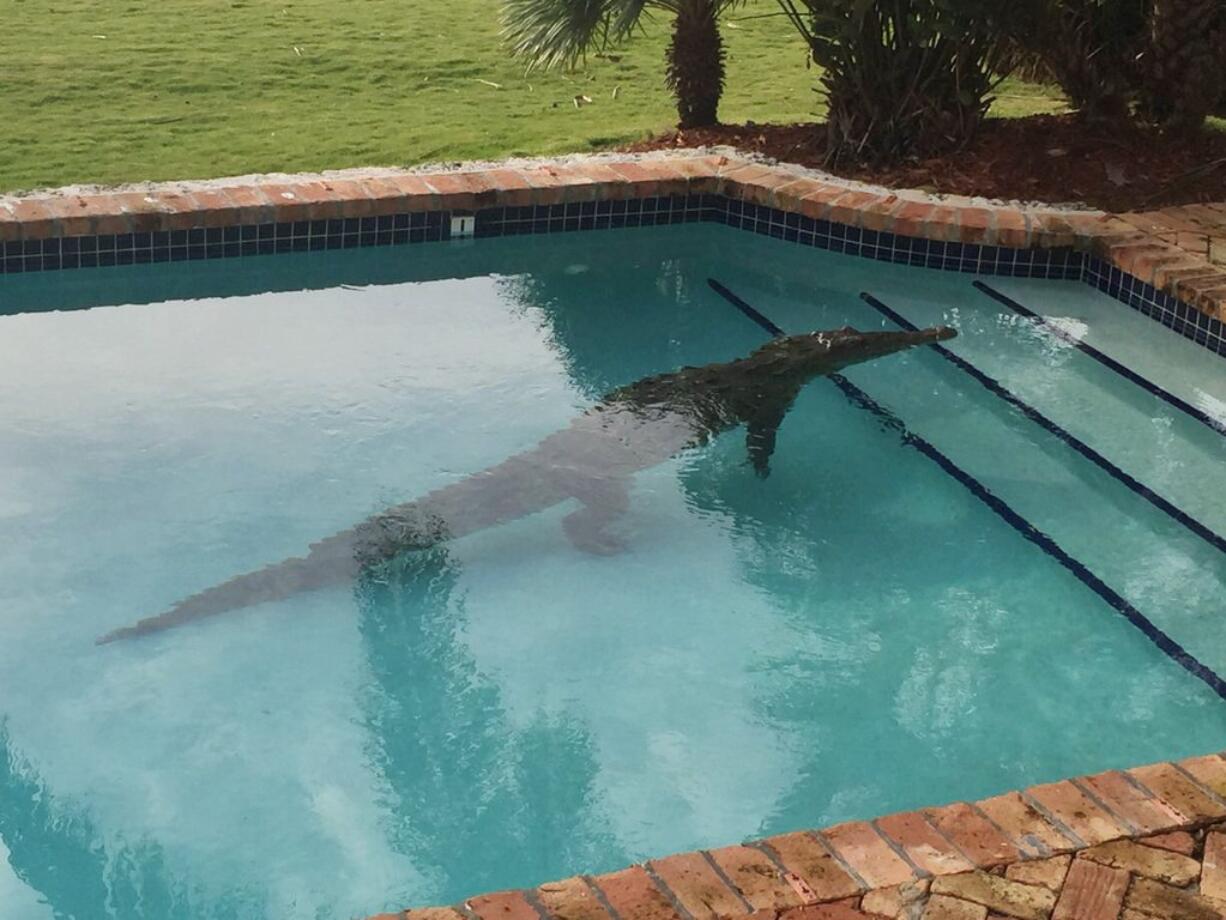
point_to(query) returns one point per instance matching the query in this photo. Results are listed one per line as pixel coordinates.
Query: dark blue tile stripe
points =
(420, 227)
(423, 227)
(995, 387)
(221, 242)
(745, 308)
(1109, 596)
(1113, 599)
(971, 258)
(1158, 305)
(1127, 373)
(595, 215)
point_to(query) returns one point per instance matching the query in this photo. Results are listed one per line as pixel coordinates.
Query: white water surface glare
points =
(856, 634)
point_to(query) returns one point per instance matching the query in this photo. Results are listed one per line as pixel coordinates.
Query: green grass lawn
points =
(123, 90)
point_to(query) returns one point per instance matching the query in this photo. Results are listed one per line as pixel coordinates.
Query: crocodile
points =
(592, 461)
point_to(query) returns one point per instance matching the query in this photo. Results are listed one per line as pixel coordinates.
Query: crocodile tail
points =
(272, 583)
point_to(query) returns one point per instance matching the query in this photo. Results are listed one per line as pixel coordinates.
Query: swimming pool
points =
(870, 628)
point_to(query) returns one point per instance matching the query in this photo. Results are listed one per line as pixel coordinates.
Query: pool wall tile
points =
(235, 218)
(1159, 305)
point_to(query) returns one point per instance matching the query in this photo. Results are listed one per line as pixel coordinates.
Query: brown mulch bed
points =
(1052, 158)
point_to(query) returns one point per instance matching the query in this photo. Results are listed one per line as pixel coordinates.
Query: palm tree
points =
(559, 32)
(1091, 48)
(1184, 84)
(904, 77)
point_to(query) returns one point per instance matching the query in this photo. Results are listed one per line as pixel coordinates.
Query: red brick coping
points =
(1135, 844)
(1145, 254)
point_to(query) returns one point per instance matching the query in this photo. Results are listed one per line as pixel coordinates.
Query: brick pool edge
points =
(1138, 250)
(1140, 843)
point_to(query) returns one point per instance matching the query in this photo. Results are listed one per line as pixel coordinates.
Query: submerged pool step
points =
(1106, 360)
(996, 388)
(1117, 602)
(1156, 563)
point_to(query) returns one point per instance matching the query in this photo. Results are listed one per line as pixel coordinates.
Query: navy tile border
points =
(221, 242)
(971, 258)
(434, 226)
(595, 215)
(1164, 308)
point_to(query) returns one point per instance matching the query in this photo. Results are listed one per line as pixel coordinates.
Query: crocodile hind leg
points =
(603, 502)
(762, 431)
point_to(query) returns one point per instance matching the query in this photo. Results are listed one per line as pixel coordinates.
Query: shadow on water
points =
(56, 850)
(612, 323)
(478, 800)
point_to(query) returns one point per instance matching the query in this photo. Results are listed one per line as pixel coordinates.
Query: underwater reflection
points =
(56, 849)
(478, 802)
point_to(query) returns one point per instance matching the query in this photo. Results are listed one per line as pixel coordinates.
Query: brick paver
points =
(1196, 231)
(433, 913)
(1209, 771)
(924, 844)
(697, 887)
(1176, 842)
(1026, 825)
(1049, 873)
(995, 892)
(943, 907)
(1066, 803)
(809, 860)
(1170, 903)
(1154, 862)
(1181, 791)
(868, 854)
(1091, 892)
(634, 896)
(891, 902)
(1181, 251)
(1003, 868)
(1213, 875)
(974, 834)
(505, 905)
(571, 899)
(1142, 811)
(757, 879)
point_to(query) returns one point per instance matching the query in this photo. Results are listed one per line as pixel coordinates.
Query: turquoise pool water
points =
(857, 634)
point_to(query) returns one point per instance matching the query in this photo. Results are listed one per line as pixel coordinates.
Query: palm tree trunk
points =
(1092, 54)
(696, 64)
(1183, 78)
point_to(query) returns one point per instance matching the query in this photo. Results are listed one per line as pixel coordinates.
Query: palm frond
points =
(551, 33)
(626, 15)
